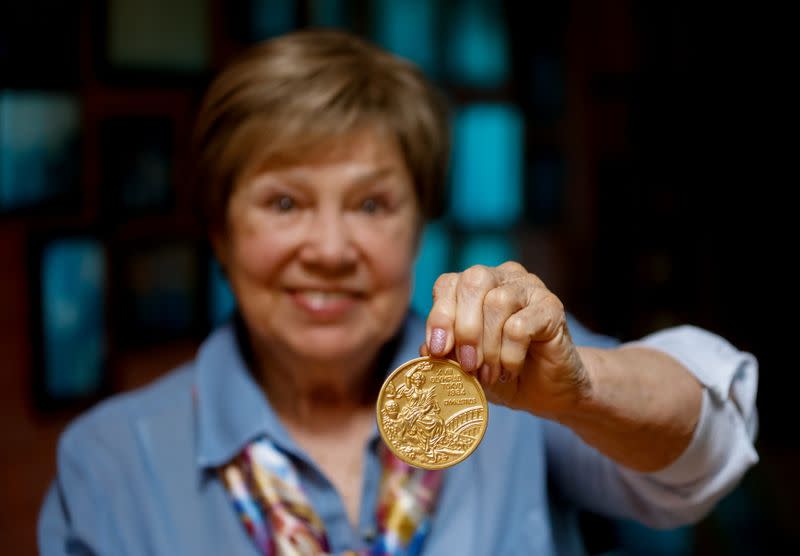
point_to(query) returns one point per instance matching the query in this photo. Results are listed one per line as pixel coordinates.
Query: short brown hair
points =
(291, 93)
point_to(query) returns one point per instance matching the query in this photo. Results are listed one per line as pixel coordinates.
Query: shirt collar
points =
(231, 408)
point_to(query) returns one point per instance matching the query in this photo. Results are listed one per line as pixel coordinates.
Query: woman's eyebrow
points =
(302, 179)
(372, 175)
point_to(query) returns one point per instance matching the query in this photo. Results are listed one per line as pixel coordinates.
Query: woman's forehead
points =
(363, 143)
(361, 155)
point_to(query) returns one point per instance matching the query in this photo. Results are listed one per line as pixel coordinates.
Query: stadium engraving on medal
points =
(431, 413)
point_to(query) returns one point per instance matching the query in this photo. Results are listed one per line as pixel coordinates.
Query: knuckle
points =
(476, 277)
(534, 280)
(554, 315)
(443, 284)
(555, 307)
(516, 329)
(513, 267)
(499, 297)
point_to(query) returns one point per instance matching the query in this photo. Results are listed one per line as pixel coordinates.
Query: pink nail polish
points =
(485, 374)
(438, 341)
(468, 358)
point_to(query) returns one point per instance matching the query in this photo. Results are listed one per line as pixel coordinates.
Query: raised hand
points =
(504, 325)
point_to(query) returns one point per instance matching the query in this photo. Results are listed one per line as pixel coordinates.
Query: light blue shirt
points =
(136, 474)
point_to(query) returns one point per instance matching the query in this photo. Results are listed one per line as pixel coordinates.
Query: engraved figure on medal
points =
(410, 408)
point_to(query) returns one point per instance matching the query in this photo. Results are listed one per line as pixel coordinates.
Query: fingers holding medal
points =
(506, 328)
(503, 331)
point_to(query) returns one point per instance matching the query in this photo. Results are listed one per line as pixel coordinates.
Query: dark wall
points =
(671, 211)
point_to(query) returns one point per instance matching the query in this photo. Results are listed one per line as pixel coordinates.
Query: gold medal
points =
(431, 413)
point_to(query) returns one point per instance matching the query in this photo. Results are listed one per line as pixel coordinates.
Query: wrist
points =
(585, 399)
(639, 407)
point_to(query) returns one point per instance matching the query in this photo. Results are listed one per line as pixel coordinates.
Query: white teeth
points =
(318, 299)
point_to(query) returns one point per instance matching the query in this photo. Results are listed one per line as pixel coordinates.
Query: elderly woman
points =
(320, 158)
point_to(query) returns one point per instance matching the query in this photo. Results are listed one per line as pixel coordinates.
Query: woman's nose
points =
(329, 242)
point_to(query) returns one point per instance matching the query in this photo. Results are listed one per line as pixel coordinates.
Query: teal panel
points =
(487, 167)
(433, 259)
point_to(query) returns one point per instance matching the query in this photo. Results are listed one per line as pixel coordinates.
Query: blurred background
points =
(606, 145)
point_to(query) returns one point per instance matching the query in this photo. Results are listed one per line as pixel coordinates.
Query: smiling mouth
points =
(325, 301)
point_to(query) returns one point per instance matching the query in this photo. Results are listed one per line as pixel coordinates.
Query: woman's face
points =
(320, 253)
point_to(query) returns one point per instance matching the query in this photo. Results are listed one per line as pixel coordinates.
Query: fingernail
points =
(468, 358)
(438, 341)
(485, 374)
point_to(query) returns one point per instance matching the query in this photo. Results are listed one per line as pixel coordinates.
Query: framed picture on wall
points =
(159, 293)
(152, 39)
(136, 155)
(39, 150)
(69, 284)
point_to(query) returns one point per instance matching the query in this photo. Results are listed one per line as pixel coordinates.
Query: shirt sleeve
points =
(720, 452)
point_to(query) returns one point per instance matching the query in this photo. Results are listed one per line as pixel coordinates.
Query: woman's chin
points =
(331, 345)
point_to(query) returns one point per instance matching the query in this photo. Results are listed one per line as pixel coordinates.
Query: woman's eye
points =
(283, 203)
(371, 205)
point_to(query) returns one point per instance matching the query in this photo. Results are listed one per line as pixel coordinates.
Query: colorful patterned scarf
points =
(267, 495)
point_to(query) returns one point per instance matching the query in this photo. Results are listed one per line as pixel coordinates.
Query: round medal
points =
(431, 413)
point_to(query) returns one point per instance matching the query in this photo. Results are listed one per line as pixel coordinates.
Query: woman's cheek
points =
(393, 251)
(258, 255)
